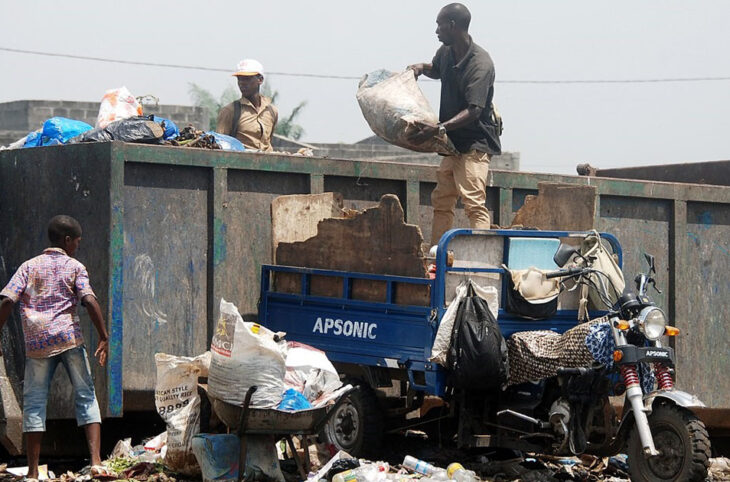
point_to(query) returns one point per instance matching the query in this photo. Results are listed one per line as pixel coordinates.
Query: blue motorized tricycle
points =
(600, 339)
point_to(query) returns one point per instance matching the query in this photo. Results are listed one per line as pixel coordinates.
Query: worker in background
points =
(251, 119)
(466, 116)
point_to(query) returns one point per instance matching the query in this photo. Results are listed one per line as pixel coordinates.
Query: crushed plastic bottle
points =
(457, 472)
(422, 467)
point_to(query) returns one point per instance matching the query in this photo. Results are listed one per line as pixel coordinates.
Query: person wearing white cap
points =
(251, 119)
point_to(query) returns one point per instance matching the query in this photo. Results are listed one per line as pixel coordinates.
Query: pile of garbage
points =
(535, 468)
(288, 376)
(343, 468)
(121, 118)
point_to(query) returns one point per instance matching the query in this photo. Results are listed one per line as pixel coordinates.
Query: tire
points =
(357, 425)
(682, 440)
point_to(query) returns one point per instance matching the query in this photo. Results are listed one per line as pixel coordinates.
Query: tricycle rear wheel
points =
(357, 424)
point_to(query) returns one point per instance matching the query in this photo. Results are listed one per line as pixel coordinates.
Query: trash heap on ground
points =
(257, 385)
(253, 376)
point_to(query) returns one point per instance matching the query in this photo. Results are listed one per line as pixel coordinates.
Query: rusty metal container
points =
(168, 231)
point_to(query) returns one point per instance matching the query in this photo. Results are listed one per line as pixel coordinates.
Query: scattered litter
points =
(326, 467)
(155, 444)
(123, 448)
(115, 105)
(309, 372)
(227, 143)
(293, 400)
(43, 473)
(719, 468)
(191, 137)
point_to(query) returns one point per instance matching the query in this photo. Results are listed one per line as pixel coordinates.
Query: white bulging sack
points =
(245, 354)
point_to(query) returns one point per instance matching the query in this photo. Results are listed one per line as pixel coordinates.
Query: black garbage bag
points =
(478, 353)
(342, 465)
(133, 129)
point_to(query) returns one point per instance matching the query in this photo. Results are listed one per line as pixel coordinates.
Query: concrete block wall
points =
(29, 115)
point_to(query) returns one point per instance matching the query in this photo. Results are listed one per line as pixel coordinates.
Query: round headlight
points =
(652, 322)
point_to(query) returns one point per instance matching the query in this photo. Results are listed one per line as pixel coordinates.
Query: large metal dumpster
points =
(169, 231)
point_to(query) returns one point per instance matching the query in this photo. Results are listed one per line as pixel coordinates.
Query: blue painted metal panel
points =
(367, 333)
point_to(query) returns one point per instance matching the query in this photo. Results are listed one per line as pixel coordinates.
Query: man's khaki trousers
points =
(465, 176)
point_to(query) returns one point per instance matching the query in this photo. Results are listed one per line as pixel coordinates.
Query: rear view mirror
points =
(650, 260)
(564, 254)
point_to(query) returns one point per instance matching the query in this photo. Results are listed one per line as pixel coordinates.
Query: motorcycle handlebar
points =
(563, 273)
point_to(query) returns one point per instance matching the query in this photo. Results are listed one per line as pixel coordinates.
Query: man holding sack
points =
(466, 115)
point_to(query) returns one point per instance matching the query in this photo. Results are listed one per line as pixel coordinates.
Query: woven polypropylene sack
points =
(393, 105)
(244, 355)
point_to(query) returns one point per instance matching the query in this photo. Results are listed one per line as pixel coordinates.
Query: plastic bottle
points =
(365, 473)
(422, 467)
(457, 472)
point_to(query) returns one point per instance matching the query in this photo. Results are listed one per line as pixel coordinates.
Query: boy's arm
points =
(6, 307)
(92, 306)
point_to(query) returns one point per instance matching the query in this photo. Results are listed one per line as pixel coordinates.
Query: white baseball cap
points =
(249, 67)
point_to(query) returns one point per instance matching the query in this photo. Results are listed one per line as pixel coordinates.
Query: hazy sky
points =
(554, 126)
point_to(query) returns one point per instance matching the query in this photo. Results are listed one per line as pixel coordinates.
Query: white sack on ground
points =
(245, 354)
(178, 403)
(392, 104)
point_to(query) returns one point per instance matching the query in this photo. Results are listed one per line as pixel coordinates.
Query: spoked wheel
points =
(683, 445)
(356, 425)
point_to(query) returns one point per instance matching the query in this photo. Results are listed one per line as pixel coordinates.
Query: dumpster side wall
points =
(191, 226)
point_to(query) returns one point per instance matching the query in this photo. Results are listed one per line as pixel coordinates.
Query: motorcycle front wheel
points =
(683, 445)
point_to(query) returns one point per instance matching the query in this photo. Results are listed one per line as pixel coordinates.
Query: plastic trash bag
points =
(309, 372)
(62, 130)
(227, 143)
(117, 104)
(135, 129)
(171, 130)
(33, 139)
(478, 352)
(19, 144)
(245, 354)
(442, 342)
(393, 105)
(293, 401)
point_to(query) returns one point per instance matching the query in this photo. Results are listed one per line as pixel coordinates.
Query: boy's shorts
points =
(38, 376)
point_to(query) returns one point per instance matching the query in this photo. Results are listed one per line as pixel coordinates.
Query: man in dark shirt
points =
(466, 116)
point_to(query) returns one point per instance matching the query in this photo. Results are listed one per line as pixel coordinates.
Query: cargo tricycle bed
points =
(379, 329)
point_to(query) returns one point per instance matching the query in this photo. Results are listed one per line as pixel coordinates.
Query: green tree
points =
(204, 98)
(286, 125)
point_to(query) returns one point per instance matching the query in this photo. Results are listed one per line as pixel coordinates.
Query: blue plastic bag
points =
(293, 401)
(33, 139)
(58, 130)
(227, 143)
(171, 130)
